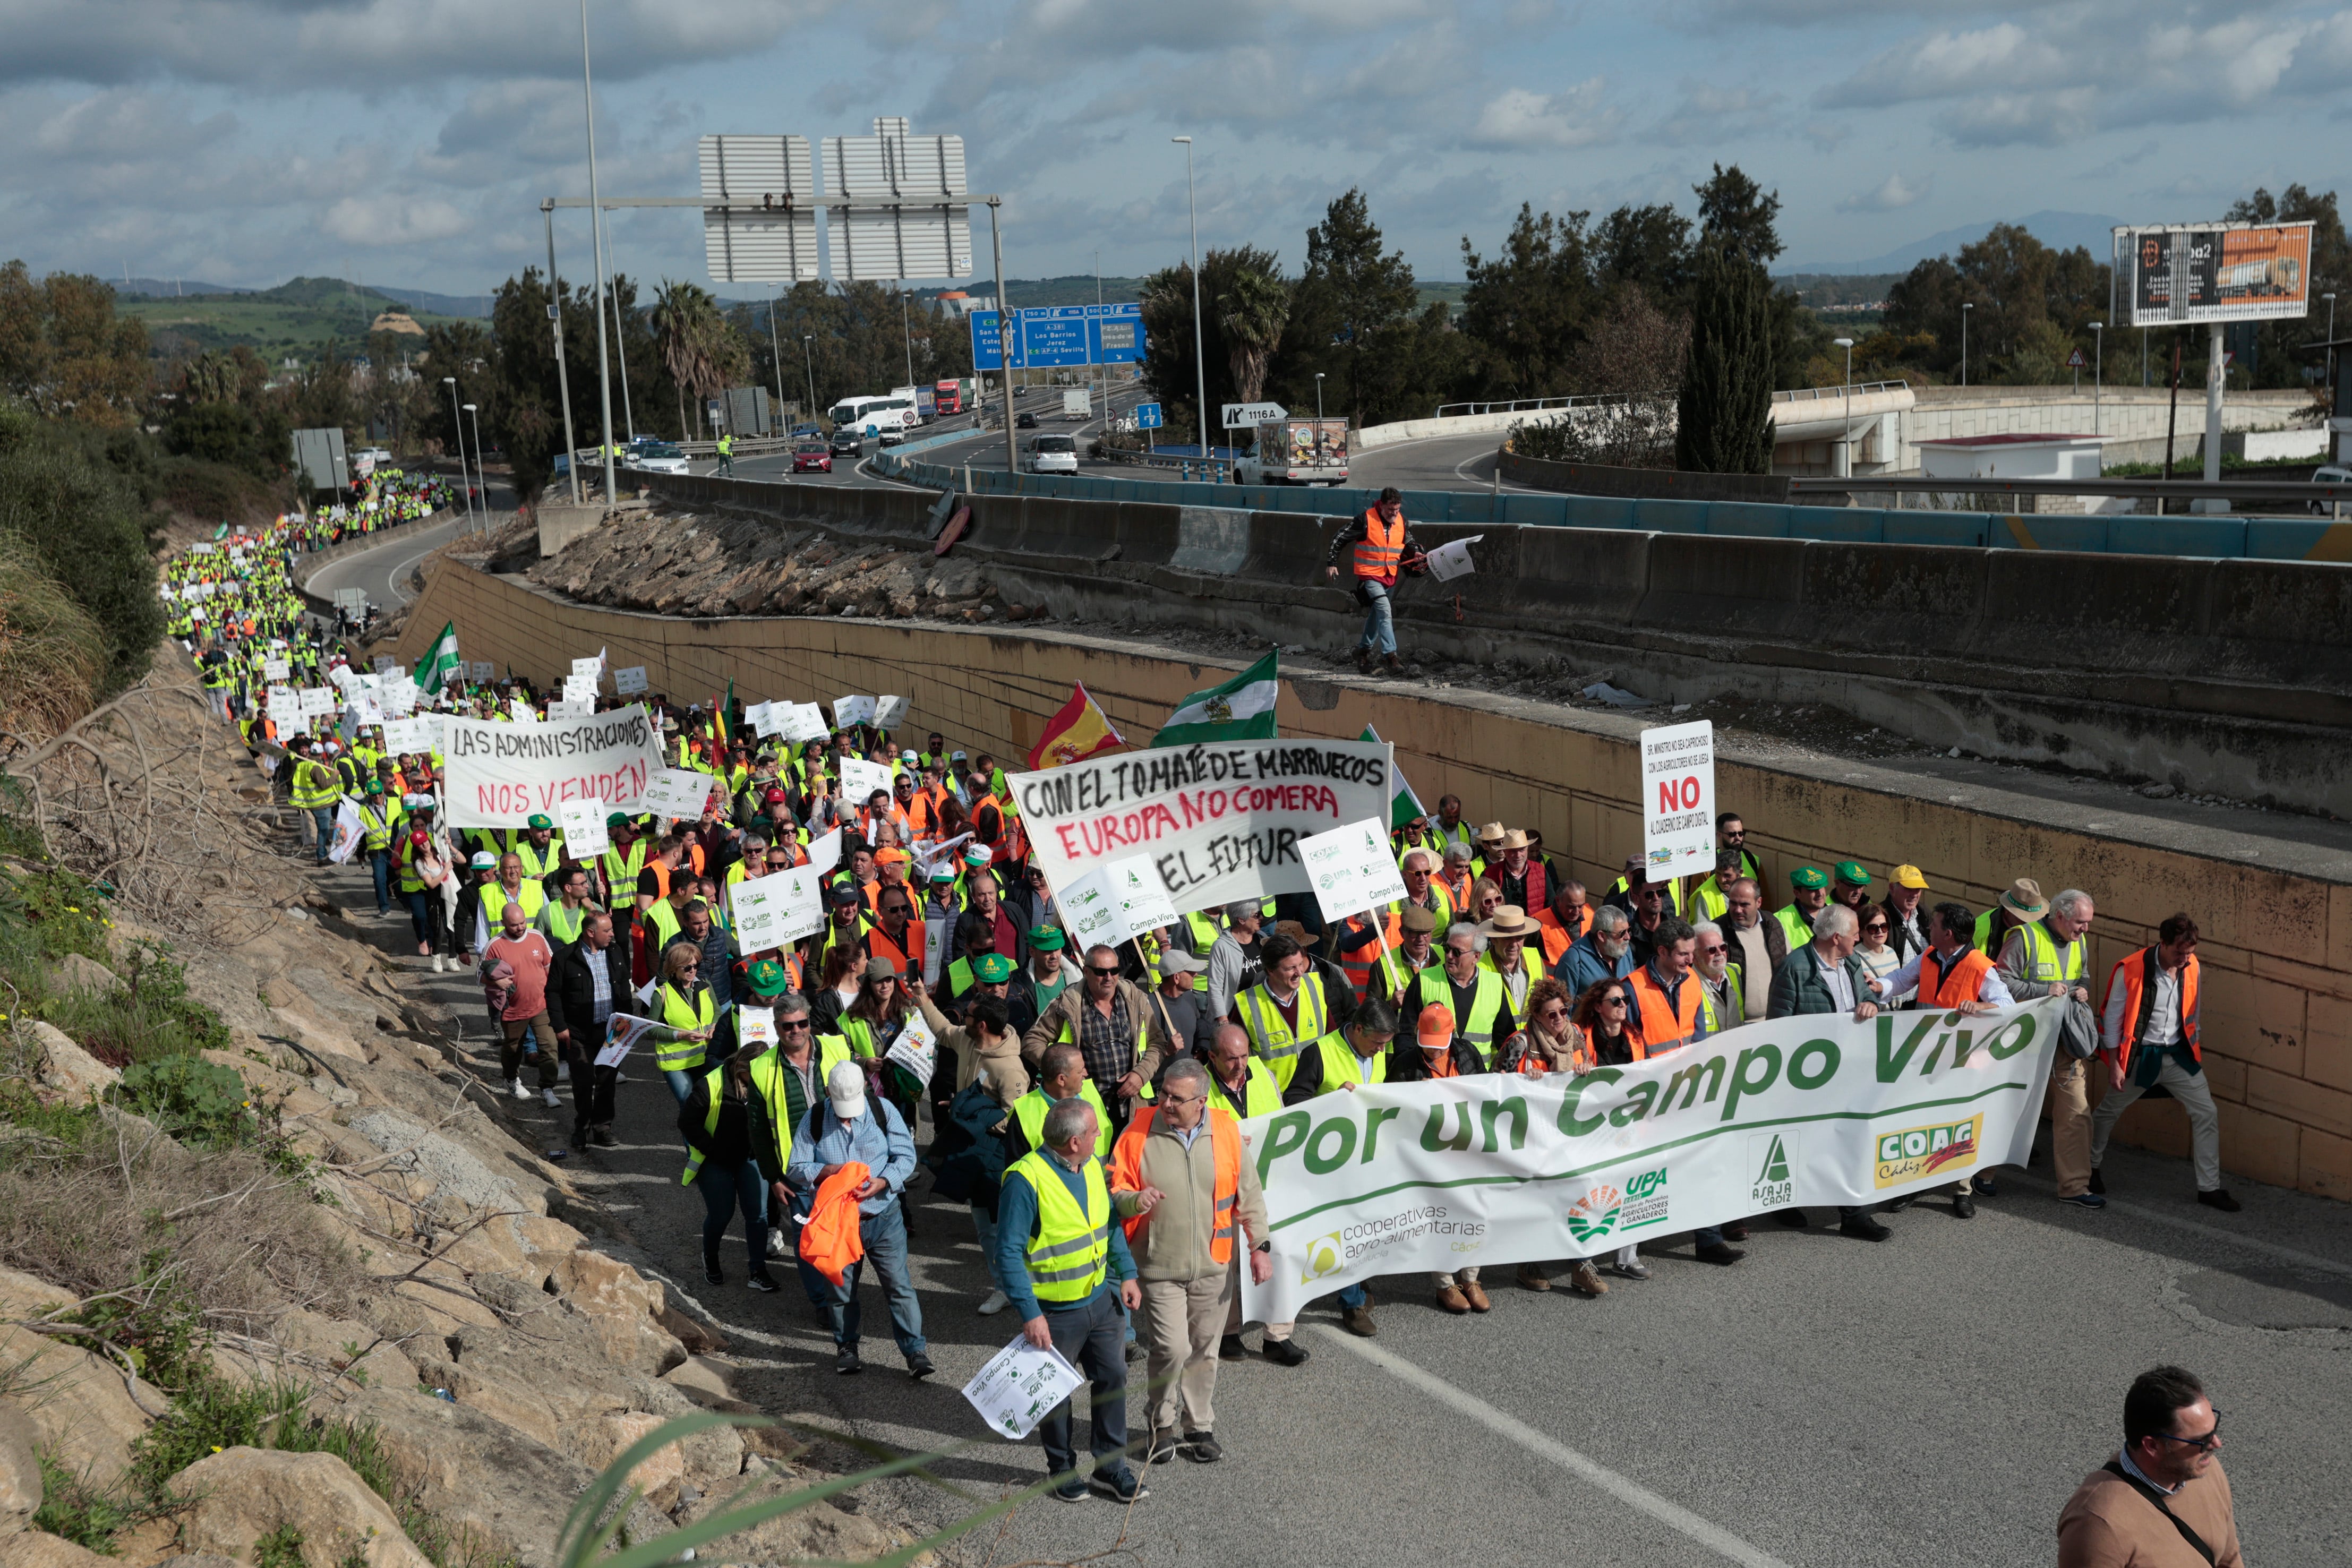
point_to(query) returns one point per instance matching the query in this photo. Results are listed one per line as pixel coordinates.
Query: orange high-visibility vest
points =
(1224, 1144)
(1381, 547)
(1659, 1024)
(1941, 989)
(2139, 999)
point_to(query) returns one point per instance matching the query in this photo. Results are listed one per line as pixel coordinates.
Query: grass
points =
(2194, 467)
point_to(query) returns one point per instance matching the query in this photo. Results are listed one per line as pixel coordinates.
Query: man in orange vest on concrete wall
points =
(1379, 545)
(2152, 1038)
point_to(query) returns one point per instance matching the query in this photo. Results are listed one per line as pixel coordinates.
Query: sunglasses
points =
(1553, 1012)
(2203, 1444)
(795, 1027)
(1613, 1002)
(1874, 925)
(1092, 970)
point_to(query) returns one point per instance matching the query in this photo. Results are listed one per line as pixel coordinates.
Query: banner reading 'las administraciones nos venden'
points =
(1498, 1170)
(500, 775)
(1219, 822)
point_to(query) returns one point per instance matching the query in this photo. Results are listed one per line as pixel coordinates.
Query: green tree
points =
(1724, 419)
(1526, 310)
(1739, 216)
(64, 350)
(88, 527)
(1370, 304)
(1252, 308)
(1647, 246)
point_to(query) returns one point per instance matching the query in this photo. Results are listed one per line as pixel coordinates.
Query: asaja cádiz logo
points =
(1919, 1152)
(1773, 1184)
(1594, 1215)
(1323, 1256)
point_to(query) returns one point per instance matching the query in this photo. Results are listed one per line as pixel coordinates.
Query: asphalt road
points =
(383, 570)
(1826, 1404)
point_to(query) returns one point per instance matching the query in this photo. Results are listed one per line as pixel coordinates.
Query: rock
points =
(699, 1338)
(20, 1473)
(199, 1560)
(702, 1380)
(32, 1549)
(816, 1530)
(664, 1466)
(243, 1494)
(318, 1352)
(68, 1069)
(81, 1412)
(77, 973)
(321, 1038)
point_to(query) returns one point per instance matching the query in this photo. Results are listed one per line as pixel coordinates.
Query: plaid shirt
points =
(1106, 1043)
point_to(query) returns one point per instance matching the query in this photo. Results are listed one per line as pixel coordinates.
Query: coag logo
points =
(1323, 1256)
(1594, 1215)
(1918, 1153)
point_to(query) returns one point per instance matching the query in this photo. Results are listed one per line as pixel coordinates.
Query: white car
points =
(376, 455)
(1053, 455)
(2332, 475)
(658, 457)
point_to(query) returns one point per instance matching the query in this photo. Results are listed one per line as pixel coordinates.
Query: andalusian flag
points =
(1404, 805)
(440, 660)
(1241, 709)
(1075, 734)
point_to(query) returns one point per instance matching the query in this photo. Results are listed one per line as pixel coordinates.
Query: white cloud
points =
(1518, 117)
(389, 220)
(1886, 196)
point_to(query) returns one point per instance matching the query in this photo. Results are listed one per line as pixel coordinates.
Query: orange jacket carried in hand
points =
(830, 1243)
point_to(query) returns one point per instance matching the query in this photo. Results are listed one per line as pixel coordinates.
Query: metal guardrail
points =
(2176, 489)
(1823, 394)
(1525, 404)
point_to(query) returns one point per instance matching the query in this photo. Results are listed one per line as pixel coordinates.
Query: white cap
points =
(845, 1087)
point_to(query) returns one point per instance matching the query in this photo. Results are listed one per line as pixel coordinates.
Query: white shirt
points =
(1833, 975)
(1989, 989)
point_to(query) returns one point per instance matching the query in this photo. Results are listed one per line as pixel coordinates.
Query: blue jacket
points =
(1016, 1224)
(1582, 966)
(878, 1140)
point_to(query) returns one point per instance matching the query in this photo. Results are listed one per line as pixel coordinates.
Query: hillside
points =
(294, 319)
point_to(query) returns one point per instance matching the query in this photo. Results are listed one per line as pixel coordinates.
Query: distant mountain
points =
(170, 288)
(317, 292)
(2060, 231)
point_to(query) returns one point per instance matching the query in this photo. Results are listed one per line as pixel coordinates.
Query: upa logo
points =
(1323, 1256)
(1594, 1215)
(1771, 1180)
(1917, 1154)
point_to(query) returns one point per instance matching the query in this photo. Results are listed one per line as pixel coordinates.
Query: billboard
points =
(1060, 337)
(2173, 273)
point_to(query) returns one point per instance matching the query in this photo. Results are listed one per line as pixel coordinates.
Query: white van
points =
(1053, 455)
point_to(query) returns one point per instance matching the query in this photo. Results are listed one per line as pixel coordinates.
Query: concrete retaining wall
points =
(1596, 479)
(2277, 945)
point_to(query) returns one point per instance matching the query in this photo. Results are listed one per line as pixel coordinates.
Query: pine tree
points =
(1725, 421)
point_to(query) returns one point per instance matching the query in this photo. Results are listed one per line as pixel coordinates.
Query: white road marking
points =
(1672, 1515)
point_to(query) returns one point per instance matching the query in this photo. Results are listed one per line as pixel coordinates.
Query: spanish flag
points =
(1075, 734)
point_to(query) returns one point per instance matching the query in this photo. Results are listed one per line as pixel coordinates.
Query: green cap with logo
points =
(1043, 938)
(994, 968)
(767, 978)
(541, 820)
(1852, 873)
(1809, 876)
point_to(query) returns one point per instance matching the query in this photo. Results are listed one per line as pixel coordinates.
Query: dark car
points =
(848, 441)
(811, 456)
(1024, 421)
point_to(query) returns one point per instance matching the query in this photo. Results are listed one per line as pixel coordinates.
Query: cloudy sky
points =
(408, 142)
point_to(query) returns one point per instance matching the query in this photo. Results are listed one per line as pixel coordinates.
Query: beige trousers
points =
(2070, 1126)
(1182, 1321)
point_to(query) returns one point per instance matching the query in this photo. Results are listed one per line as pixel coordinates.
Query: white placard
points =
(405, 737)
(801, 722)
(1351, 869)
(916, 1049)
(590, 670)
(501, 774)
(626, 1030)
(760, 717)
(570, 707)
(383, 662)
(847, 711)
(630, 681)
(860, 780)
(777, 909)
(285, 697)
(399, 697)
(890, 713)
(1089, 913)
(276, 669)
(1020, 1386)
(481, 670)
(583, 828)
(676, 792)
(824, 853)
(318, 699)
(938, 935)
(1678, 798)
(520, 706)
(1143, 902)
(1452, 558)
(755, 1029)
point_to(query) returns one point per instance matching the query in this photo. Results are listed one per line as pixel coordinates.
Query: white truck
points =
(1297, 452)
(1078, 402)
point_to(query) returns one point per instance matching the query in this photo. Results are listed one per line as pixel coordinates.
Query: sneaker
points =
(1476, 1295)
(516, 1088)
(1162, 1446)
(563, 1071)
(1865, 1229)
(2085, 1200)
(1793, 1219)
(845, 1363)
(1986, 1187)
(579, 1138)
(2098, 1183)
(993, 1302)
(1230, 1348)
(1636, 1269)
(1286, 1353)
(713, 1273)
(1202, 1447)
(1071, 1490)
(918, 1366)
(1124, 1487)
(1452, 1298)
(1358, 1320)
(1586, 1280)
(440, 964)
(763, 1282)
(779, 1249)
(2220, 1199)
(1720, 1254)
(547, 1098)
(601, 1136)
(1532, 1276)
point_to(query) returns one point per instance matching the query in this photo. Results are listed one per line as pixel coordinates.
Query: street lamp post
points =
(1964, 309)
(563, 376)
(596, 248)
(2331, 344)
(775, 352)
(1199, 353)
(2098, 369)
(480, 472)
(458, 423)
(808, 363)
(1845, 421)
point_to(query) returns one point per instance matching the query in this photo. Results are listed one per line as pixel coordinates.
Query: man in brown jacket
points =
(1115, 1026)
(2163, 1501)
(1190, 1199)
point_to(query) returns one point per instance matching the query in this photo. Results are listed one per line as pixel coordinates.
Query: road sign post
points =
(1243, 415)
(1149, 417)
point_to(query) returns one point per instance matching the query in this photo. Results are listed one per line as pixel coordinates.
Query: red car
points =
(811, 456)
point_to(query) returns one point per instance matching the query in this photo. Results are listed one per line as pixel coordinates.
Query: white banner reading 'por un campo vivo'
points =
(500, 775)
(1218, 822)
(1495, 1169)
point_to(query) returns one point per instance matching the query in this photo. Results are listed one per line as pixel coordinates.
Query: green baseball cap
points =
(374, 787)
(540, 821)
(1852, 873)
(767, 978)
(616, 819)
(1044, 938)
(994, 968)
(1809, 876)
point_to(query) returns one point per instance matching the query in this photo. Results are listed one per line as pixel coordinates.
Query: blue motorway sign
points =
(1057, 337)
(1147, 416)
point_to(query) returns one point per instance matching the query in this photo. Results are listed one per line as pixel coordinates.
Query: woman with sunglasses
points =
(1877, 955)
(1601, 1013)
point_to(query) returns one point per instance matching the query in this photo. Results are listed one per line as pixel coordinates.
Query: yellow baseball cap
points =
(1907, 876)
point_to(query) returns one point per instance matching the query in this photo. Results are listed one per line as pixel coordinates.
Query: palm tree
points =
(1252, 310)
(681, 320)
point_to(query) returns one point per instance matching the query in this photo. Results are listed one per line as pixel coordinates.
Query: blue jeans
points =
(324, 818)
(983, 1224)
(425, 917)
(1092, 1336)
(723, 1192)
(380, 863)
(884, 1236)
(680, 1084)
(1380, 626)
